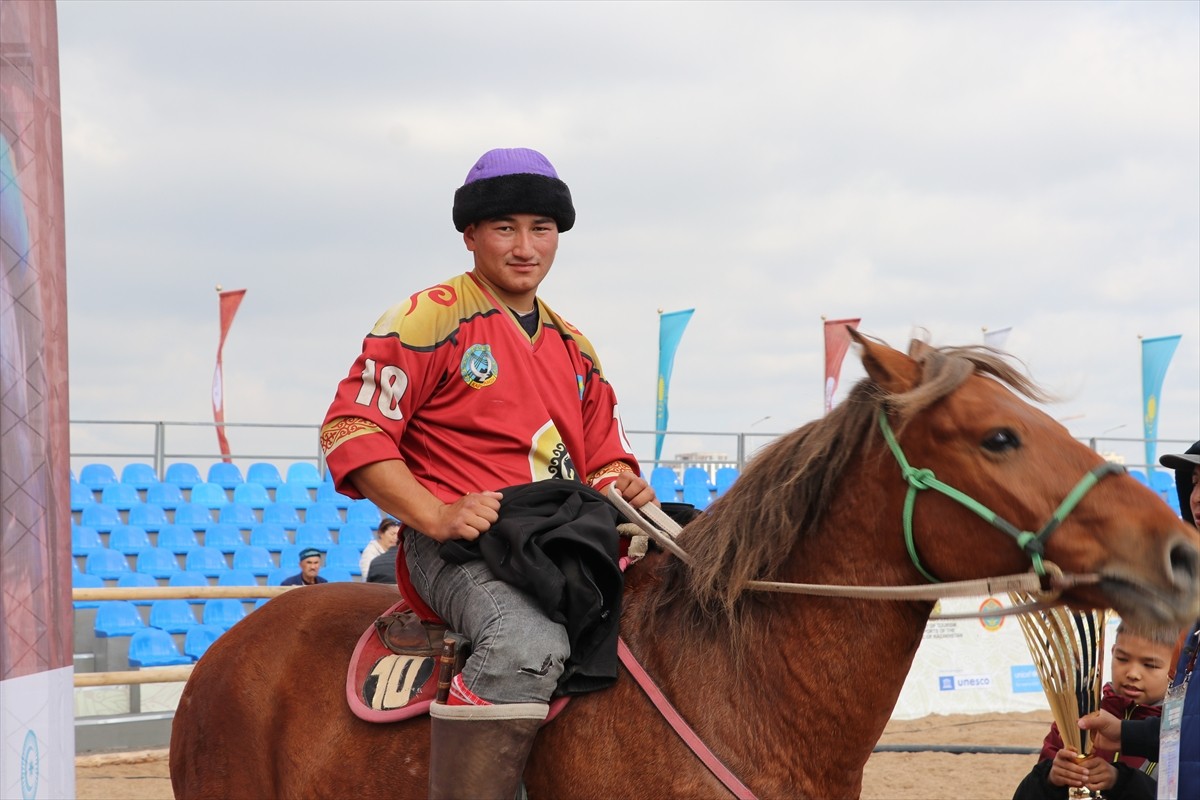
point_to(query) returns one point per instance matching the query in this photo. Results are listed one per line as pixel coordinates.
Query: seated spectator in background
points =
(1139, 683)
(383, 567)
(386, 537)
(310, 568)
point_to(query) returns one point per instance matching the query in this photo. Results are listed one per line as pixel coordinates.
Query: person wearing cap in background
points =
(469, 386)
(310, 568)
(1174, 739)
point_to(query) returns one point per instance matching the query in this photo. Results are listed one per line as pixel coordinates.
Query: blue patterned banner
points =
(1156, 355)
(670, 331)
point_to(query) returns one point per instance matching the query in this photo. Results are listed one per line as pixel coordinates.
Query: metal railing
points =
(159, 442)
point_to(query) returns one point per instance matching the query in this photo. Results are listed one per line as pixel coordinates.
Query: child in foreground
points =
(1138, 685)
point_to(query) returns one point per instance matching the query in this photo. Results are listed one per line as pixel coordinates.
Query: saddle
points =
(393, 672)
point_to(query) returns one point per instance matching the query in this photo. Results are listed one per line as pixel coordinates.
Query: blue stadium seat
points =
(238, 514)
(356, 534)
(253, 559)
(342, 556)
(81, 497)
(188, 578)
(139, 476)
(209, 495)
(289, 558)
(253, 495)
(82, 580)
(128, 539)
(665, 482)
(108, 564)
(696, 476)
(137, 580)
(149, 516)
(157, 562)
(1139, 476)
(101, 517)
(120, 496)
(224, 537)
(364, 511)
(97, 476)
(154, 648)
(269, 536)
(724, 479)
(697, 494)
(199, 638)
(117, 618)
(84, 539)
(183, 475)
(282, 514)
(264, 474)
(177, 538)
(167, 495)
(195, 516)
(278, 576)
(334, 575)
(326, 514)
(293, 494)
(1163, 483)
(172, 616)
(223, 613)
(225, 474)
(207, 560)
(237, 577)
(312, 534)
(304, 473)
(327, 494)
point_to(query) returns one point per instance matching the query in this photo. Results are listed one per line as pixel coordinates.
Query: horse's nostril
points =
(1185, 563)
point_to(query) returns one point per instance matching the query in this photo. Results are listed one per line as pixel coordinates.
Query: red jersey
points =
(449, 382)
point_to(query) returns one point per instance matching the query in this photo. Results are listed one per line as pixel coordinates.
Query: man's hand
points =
(1105, 728)
(634, 489)
(466, 518)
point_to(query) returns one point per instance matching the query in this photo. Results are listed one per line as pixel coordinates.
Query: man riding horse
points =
(464, 388)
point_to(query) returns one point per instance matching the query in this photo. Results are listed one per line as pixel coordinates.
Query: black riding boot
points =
(479, 752)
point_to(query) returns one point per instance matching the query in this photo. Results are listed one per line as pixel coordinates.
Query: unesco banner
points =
(37, 728)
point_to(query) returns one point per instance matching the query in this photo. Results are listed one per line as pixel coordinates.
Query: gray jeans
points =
(517, 653)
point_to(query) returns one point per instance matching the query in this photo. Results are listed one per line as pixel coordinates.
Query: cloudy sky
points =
(944, 167)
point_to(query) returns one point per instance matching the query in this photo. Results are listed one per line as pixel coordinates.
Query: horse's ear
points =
(890, 369)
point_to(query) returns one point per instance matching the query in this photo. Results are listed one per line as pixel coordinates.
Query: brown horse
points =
(791, 692)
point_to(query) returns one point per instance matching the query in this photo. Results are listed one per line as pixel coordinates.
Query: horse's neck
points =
(810, 680)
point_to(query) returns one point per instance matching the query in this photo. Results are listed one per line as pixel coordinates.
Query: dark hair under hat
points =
(1184, 465)
(513, 181)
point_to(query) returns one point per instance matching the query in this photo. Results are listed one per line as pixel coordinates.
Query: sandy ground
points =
(888, 776)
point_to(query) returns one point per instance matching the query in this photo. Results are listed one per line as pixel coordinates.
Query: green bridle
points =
(1033, 544)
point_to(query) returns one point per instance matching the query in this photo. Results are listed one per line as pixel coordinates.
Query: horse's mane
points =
(785, 490)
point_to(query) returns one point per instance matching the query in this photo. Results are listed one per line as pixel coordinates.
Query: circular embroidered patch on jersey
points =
(479, 367)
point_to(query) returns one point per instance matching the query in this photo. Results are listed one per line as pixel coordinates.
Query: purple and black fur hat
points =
(513, 181)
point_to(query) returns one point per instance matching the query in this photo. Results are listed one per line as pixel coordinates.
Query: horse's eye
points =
(1000, 440)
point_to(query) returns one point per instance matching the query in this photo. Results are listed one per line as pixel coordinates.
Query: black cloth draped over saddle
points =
(557, 540)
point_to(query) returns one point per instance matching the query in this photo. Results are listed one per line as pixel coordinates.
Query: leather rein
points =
(1047, 582)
